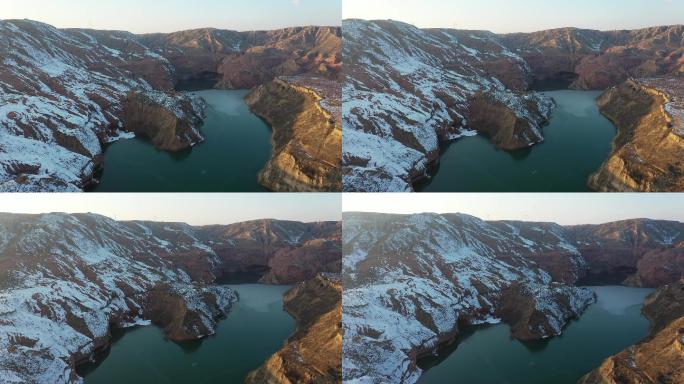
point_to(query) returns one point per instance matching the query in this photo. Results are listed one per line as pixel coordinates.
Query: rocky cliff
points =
(660, 357)
(305, 115)
(409, 89)
(169, 127)
(647, 151)
(314, 353)
(66, 280)
(412, 281)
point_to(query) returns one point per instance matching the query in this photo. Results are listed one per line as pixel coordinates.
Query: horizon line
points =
(517, 32)
(178, 30)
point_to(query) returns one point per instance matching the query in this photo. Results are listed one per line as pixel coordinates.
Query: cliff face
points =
(169, 128)
(660, 357)
(640, 252)
(314, 353)
(411, 281)
(647, 150)
(63, 95)
(66, 280)
(304, 113)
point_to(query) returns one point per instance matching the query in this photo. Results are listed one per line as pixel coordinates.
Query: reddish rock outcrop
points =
(175, 309)
(521, 307)
(641, 252)
(226, 59)
(313, 355)
(590, 59)
(63, 94)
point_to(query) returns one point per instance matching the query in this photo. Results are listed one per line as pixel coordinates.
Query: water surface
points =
(255, 328)
(488, 355)
(577, 141)
(237, 145)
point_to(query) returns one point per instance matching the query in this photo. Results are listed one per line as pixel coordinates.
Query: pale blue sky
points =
(143, 16)
(196, 209)
(505, 16)
(567, 209)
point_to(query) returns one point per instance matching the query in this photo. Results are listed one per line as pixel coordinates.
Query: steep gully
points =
(67, 93)
(412, 283)
(449, 83)
(69, 279)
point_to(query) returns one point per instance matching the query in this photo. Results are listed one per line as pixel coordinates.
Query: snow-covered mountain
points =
(62, 95)
(65, 93)
(407, 89)
(65, 280)
(412, 280)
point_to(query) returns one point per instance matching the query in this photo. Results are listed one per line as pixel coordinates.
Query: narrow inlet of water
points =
(577, 141)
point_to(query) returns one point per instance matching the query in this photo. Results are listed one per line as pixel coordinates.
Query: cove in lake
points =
(577, 141)
(256, 327)
(488, 354)
(237, 145)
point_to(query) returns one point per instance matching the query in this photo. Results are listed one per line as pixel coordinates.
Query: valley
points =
(71, 281)
(418, 285)
(411, 91)
(67, 94)
(254, 329)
